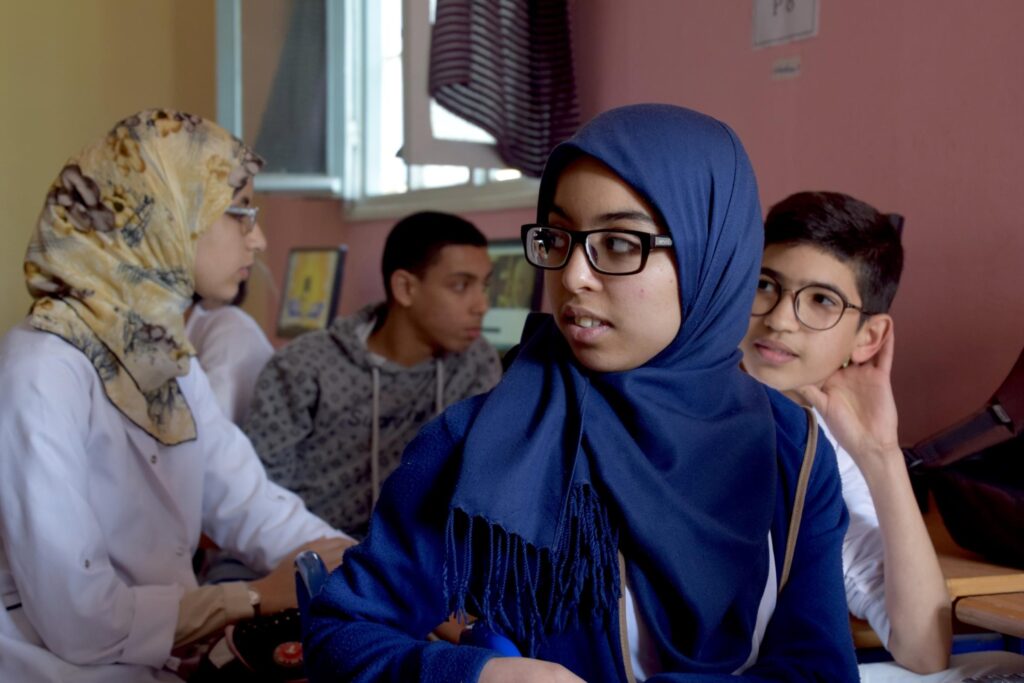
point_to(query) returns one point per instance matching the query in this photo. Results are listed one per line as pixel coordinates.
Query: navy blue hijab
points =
(673, 463)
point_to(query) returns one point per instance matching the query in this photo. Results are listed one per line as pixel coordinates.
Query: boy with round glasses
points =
(820, 332)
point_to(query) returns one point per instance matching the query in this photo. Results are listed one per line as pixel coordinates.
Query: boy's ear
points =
(403, 287)
(870, 337)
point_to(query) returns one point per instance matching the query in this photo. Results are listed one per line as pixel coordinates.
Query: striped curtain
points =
(506, 66)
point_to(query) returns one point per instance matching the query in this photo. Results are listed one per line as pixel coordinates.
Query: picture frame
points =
(516, 289)
(312, 285)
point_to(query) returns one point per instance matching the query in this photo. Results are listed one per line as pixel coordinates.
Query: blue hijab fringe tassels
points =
(528, 593)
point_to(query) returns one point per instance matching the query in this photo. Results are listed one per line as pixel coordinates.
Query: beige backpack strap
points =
(627, 656)
(801, 494)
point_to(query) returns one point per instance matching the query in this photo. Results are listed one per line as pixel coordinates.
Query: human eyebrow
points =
(782, 279)
(470, 277)
(559, 211)
(615, 216)
(611, 216)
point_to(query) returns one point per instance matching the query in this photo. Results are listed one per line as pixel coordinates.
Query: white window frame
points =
(229, 98)
(349, 105)
(420, 146)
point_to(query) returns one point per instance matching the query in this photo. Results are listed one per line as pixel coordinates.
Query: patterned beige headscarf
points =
(111, 262)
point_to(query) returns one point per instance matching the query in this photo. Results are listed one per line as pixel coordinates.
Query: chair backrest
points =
(1001, 418)
(310, 575)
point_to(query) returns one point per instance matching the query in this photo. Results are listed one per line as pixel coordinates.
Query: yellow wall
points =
(68, 70)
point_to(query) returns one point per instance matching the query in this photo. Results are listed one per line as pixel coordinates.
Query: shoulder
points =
(29, 357)
(436, 450)
(195, 386)
(310, 349)
(231, 317)
(448, 430)
(457, 419)
(230, 332)
(481, 348)
(480, 356)
(47, 381)
(792, 424)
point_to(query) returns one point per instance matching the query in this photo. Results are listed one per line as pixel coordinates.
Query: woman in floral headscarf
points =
(113, 452)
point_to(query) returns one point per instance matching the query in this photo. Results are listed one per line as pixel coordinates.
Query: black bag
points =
(975, 468)
(981, 500)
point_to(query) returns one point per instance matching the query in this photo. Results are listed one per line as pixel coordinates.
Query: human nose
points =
(577, 273)
(256, 240)
(783, 316)
(480, 302)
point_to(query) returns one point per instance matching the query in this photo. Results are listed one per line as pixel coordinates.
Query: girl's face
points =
(612, 322)
(225, 251)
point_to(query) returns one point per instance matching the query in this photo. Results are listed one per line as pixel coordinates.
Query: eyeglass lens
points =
(819, 308)
(607, 251)
(246, 217)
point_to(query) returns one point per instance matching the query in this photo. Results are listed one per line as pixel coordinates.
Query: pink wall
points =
(295, 222)
(914, 106)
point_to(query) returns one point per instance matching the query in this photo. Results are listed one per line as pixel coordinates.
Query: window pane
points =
(447, 126)
(386, 171)
(284, 87)
(425, 176)
(503, 174)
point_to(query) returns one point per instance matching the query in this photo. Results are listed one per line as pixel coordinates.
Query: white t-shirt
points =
(643, 653)
(232, 350)
(863, 553)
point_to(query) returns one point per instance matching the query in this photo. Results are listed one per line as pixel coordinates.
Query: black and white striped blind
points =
(506, 66)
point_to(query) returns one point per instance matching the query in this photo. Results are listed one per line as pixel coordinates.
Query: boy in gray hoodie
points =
(333, 411)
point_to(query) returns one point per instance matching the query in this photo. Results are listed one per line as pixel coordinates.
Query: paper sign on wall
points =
(783, 21)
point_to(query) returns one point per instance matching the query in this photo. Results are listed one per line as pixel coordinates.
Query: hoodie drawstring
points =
(375, 438)
(439, 395)
(375, 423)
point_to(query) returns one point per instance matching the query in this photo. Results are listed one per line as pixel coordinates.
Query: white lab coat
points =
(99, 522)
(232, 349)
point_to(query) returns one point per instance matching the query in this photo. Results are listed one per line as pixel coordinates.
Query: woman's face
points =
(612, 322)
(225, 251)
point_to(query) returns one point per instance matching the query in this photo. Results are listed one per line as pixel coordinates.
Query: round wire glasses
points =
(816, 306)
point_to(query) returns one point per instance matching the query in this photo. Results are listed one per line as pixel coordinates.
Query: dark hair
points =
(415, 242)
(850, 230)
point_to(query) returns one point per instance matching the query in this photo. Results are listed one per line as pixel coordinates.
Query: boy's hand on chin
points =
(858, 407)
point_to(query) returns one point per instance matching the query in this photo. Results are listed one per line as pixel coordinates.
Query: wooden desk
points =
(1001, 613)
(967, 577)
(968, 573)
(988, 595)
(863, 635)
(981, 585)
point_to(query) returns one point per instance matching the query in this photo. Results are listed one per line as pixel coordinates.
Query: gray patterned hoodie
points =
(330, 419)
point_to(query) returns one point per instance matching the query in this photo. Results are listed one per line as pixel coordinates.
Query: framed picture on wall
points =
(311, 288)
(515, 290)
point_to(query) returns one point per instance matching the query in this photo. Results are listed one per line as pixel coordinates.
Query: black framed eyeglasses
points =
(608, 251)
(817, 307)
(246, 215)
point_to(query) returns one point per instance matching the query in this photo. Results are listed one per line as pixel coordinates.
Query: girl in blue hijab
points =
(620, 505)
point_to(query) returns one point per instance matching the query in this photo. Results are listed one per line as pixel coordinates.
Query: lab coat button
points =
(152, 458)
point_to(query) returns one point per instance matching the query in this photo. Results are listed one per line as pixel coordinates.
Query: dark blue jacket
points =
(370, 621)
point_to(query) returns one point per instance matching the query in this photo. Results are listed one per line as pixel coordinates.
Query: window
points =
(334, 94)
